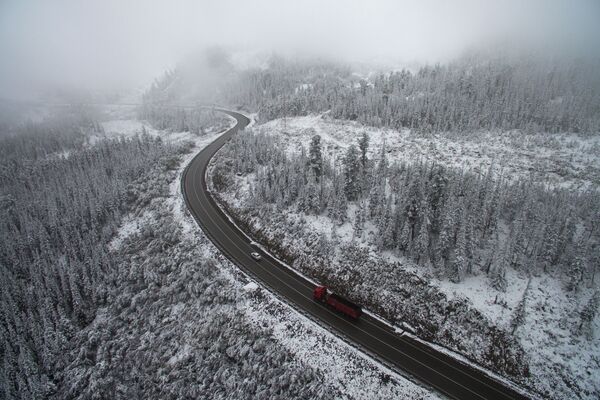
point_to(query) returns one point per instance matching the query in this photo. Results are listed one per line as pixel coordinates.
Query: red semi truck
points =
(338, 303)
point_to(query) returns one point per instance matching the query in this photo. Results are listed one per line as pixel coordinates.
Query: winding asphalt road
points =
(411, 358)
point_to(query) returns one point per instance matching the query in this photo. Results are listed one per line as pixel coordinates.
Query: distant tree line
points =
(475, 92)
(180, 118)
(466, 95)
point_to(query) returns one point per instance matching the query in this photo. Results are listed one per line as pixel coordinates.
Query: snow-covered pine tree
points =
(359, 221)
(459, 259)
(497, 275)
(403, 240)
(421, 248)
(413, 207)
(363, 145)
(437, 187)
(312, 194)
(518, 317)
(470, 245)
(448, 229)
(575, 270)
(338, 206)
(315, 157)
(588, 313)
(381, 172)
(376, 196)
(548, 251)
(352, 173)
(517, 257)
(385, 227)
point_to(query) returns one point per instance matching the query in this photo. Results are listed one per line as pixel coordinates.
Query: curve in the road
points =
(447, 375)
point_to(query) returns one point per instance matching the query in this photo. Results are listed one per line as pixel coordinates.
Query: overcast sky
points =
(109, 43)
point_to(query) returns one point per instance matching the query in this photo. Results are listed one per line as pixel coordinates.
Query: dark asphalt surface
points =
(409, 357)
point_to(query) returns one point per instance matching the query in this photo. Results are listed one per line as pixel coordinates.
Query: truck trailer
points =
(336, 302)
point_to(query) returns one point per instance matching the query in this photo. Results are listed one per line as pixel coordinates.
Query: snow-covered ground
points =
(130, 226)
(131, 127)
(546, 335)
(551, 313)
(342, 366)
(349, 370)
(559, 159)
(557, 357)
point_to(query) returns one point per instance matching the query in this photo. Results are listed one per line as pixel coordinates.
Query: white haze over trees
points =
(109, 45)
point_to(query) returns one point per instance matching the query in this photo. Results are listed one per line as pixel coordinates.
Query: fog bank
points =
(110, 44)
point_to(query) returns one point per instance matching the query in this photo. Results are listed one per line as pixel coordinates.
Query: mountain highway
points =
(414, 359)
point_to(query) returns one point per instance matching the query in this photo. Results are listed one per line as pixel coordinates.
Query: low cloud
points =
(111, 44)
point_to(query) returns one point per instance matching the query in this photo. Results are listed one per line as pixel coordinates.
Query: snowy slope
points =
(560, 361)
(560, 159)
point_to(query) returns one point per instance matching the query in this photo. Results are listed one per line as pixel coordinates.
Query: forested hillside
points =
(470, 94)
(149, 314)
(452, 219)
(451, 223)
(61, 204)
(475, 92)
(182, 119)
